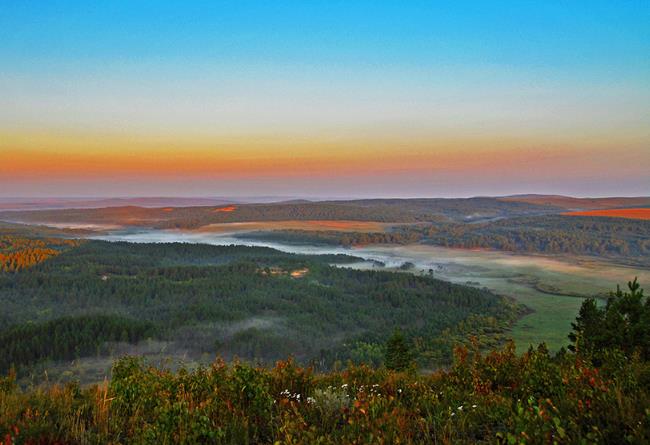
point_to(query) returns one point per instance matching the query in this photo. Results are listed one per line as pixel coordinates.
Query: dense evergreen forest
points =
(256, 303)
(597, 393)
(67, 338)
(620, 239)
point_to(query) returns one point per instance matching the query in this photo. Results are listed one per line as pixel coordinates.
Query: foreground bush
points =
(495, 398)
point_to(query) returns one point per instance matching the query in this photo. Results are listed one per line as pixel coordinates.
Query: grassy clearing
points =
(311, 225)
(527, 279)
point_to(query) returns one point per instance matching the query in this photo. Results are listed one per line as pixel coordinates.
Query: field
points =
(641, 213)
(309, 225)
(553, 287)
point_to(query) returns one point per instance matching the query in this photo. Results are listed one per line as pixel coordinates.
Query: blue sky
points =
(608, 37)
(547, 73)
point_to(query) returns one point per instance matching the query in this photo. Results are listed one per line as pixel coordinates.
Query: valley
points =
(540, 264)
(526, 278)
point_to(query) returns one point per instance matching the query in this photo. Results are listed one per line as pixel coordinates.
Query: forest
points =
(618, 239)
(255, 303)
(597, 392)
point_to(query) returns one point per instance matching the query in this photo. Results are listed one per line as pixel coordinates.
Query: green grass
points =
(519, 277)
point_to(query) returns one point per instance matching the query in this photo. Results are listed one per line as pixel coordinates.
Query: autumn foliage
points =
(21, 253)
(640, 213)
(495, 398)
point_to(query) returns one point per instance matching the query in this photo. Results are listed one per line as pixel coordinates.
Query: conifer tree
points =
(398, 355)
(623, 324)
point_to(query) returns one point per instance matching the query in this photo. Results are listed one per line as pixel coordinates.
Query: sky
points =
(324, 98)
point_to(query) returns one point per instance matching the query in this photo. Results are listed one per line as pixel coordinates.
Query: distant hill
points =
(380, 210)
(571, 203)
(179, 213)
(85, 203)
(467, 209)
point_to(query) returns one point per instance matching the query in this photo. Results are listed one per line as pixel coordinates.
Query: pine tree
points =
(398, 355)
(624, 323)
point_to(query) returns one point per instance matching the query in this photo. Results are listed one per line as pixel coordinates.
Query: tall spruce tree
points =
(623, 324)
(398, 355)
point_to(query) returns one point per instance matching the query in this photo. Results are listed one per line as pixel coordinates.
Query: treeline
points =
(460, 209)
(193, 217)
(328, 237)
(598, 394)
(67, 338)
(197, 217)
(220, 300)
(603, 237)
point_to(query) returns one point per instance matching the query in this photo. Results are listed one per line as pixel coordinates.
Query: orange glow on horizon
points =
(42, 156)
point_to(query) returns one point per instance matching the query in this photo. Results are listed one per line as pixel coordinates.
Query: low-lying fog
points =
(551, 286)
